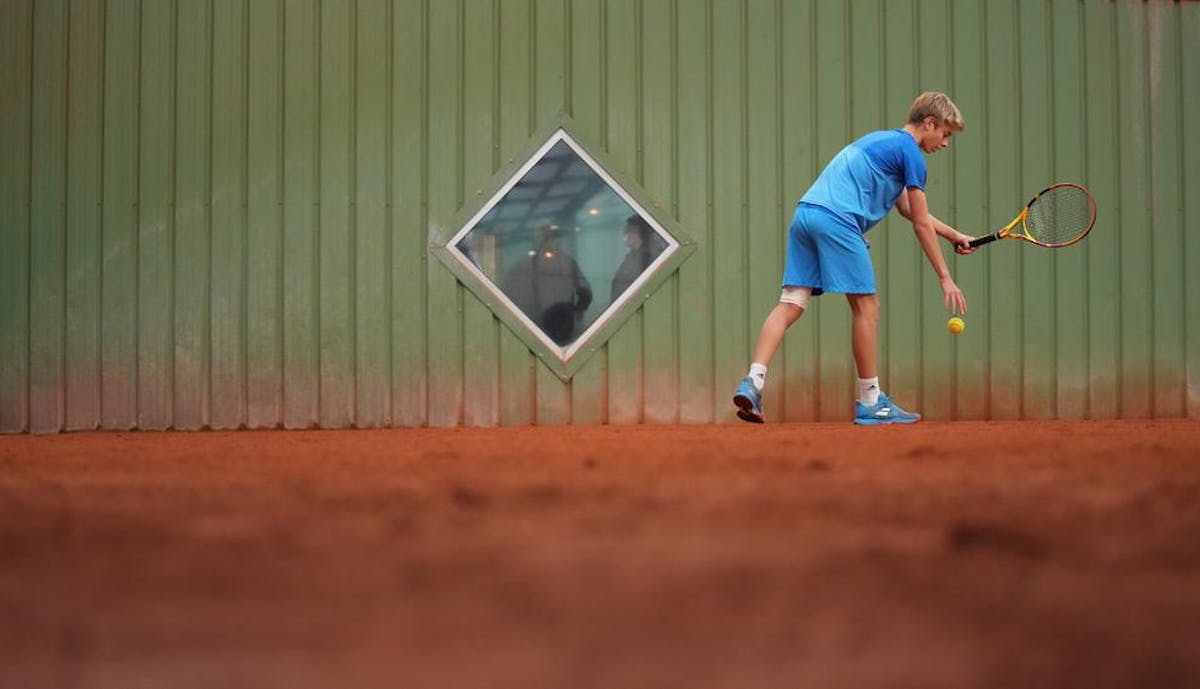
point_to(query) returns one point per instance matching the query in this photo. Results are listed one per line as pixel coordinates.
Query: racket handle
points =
(983, 240)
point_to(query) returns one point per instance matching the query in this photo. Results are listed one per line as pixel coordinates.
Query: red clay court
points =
(945, 555)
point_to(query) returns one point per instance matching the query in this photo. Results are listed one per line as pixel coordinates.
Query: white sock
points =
(758, 374)
(868, 390)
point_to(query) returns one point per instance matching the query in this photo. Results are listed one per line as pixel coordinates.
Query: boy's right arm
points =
(961, 241)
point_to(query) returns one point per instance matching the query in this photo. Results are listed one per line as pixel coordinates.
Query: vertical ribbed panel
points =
(217, 213)
(16, 63)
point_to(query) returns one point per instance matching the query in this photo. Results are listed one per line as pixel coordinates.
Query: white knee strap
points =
(796, 295)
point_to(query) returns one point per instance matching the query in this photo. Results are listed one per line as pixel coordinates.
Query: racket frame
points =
(1006, 232)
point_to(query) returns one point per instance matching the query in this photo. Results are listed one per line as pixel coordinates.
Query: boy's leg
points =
(773, 328)
(748, 397)
(865, 333)
(802, 267)
(865, 340)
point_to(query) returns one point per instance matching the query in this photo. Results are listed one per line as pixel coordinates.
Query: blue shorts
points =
(827, 254)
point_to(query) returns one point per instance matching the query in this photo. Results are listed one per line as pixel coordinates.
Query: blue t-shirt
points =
(862, 182)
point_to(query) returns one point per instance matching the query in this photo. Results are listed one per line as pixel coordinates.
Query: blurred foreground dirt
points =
(948, 555)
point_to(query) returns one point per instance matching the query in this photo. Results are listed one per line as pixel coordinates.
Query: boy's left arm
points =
(916, 210)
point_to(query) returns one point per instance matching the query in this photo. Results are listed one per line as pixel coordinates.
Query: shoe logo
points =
(884, 412)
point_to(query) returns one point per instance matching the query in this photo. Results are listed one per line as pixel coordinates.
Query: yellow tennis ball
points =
(955, 325)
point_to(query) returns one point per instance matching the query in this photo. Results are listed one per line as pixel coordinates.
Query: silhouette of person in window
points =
(549, 287)
(644, 246)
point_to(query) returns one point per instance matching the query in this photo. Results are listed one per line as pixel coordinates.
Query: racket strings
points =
(1060, 216)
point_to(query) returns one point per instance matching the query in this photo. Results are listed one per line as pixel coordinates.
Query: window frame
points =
(564, 360)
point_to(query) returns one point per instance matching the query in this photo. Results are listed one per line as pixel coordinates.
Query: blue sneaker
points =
(883, 411)
(749, 401)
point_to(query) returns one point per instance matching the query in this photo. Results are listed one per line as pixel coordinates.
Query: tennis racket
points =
(1058, 216)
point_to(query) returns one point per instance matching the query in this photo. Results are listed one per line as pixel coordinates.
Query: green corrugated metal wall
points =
(215, 213)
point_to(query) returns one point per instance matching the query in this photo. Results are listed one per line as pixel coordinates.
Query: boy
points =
(827, 252)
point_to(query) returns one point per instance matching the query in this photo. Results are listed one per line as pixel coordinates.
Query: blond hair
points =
(938, 106)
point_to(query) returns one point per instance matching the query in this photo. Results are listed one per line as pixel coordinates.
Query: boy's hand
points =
(952, 297)
(962, 244)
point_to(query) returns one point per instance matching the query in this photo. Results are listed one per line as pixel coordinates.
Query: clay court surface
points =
(1004, 555)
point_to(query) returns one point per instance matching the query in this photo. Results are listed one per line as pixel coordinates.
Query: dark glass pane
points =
(562, 245)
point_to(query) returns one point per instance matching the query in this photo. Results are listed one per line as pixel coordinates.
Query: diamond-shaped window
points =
(562, 251)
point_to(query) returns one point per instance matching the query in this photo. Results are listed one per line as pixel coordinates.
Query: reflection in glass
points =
(548, 285)
(562, 245)
(644, 246)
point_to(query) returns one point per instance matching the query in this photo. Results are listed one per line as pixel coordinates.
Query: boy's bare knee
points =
(864, 307)
(863, 302)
